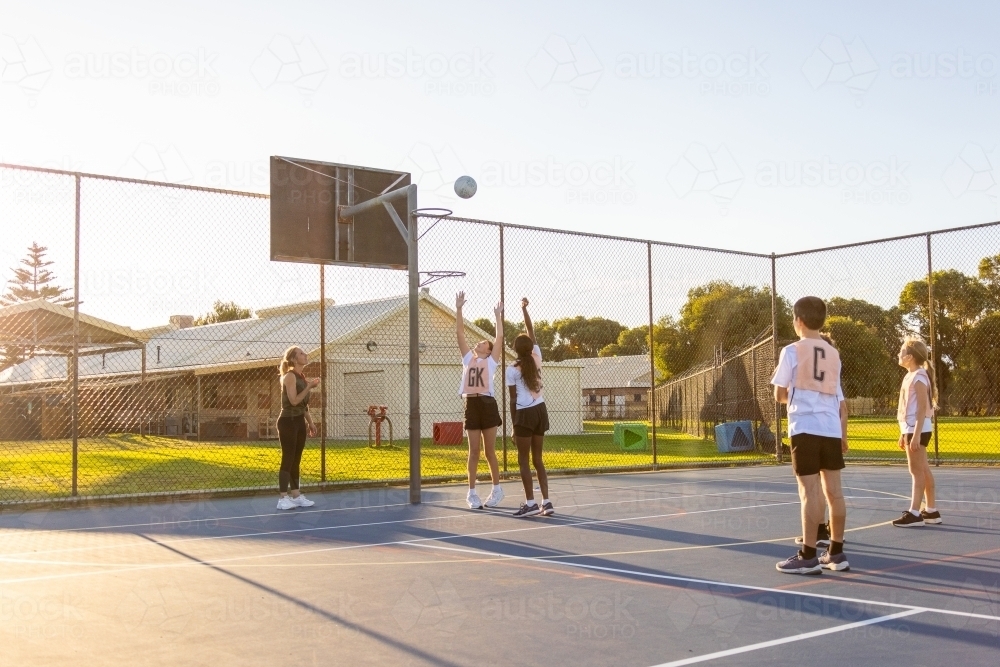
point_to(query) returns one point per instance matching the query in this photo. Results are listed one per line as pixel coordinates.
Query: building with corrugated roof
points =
(220, 381)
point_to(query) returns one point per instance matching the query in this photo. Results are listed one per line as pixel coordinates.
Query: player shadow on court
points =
(314, 609)
(870, 560)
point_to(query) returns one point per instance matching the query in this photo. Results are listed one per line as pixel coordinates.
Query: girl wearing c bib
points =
(482, 417)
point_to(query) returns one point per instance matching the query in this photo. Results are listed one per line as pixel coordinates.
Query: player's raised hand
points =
(459, 300)
(498, 309)
(524, 302)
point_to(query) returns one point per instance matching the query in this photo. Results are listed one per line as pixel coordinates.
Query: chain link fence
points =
(164, 379)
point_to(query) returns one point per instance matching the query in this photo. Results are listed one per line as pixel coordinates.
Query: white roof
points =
(252, 343)
(612, 372)
(255, 342)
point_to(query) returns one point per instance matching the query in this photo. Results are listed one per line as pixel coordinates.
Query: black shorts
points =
(531, 421)
(812, 453)
(925, 438)
(481, 412)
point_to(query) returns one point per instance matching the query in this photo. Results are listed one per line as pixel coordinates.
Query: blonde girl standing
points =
(294, 425)
(917, 402)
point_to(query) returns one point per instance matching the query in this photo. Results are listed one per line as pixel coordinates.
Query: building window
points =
(263, 401)
(638, 398)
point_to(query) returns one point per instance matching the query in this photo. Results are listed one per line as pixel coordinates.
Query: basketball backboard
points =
(305, 198)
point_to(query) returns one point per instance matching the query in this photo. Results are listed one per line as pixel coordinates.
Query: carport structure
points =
(39, 328)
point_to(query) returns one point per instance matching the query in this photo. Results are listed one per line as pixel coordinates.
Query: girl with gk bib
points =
(482, 417)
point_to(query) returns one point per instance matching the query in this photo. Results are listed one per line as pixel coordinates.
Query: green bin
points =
(631, 436)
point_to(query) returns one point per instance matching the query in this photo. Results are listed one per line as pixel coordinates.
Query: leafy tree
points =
(977, 367)
(989, 275)
(32, 280)
(867, 370)
(716, 314)
(585, 336)
(959, 300)
(886, 323)
(630, 341)
(510, 329)
(224, 311)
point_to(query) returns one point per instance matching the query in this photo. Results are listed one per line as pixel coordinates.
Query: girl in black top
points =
(294, 424)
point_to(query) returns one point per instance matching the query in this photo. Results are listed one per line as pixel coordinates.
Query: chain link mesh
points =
(651, 352)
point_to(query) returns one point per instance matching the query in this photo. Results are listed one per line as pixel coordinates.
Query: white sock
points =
(545, 500)
(915, 512)
(531, 503)
(496, 486)
(930, 510)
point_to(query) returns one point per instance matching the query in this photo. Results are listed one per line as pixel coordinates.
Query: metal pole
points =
(774, 352)
(322, 372)
(76, 340)
(652, 357)
(411, 206)
(503, 355)
(934, 345)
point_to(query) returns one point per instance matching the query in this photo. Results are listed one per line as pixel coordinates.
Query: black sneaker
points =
(822, 536)
(527, 510)
(930, 517)
(908, 520)
(547, 509)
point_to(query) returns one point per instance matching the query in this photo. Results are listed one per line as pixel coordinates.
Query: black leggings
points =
(532, 446)
(292, 436)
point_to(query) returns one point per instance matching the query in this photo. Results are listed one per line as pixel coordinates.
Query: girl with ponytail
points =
(294, 424)
(529, 416)
(917, 402)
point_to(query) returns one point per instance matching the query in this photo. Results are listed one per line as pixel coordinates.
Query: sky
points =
(762, 127)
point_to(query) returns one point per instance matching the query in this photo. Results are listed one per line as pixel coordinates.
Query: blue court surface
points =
(666, 568)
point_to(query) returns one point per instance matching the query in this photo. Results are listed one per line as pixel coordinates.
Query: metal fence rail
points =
(142, 324)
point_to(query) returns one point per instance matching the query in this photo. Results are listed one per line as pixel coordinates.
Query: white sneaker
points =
(496, 495)
(286, 503)
(302, 501)
(473, 500)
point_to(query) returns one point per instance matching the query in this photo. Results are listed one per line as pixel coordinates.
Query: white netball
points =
(465, 186)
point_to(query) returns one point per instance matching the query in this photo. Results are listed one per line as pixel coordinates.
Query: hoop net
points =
(434, 276)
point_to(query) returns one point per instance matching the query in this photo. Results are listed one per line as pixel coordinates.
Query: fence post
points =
(774, 353)
(322, 371)
(76, 338)
(652, 357)
(503, 356)
(934, 345)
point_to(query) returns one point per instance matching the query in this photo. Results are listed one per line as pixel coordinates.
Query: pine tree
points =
(33, 281)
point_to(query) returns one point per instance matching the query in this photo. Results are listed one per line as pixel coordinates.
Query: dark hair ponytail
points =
(530, 372)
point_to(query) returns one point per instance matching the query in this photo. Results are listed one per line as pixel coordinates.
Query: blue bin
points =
(734, 437)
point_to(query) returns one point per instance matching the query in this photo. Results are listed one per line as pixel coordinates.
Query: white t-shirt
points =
(909, 425)
(485, 382)
(515, 379)
(808, 411)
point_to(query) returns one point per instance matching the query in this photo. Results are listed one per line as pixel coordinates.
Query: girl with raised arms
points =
(482, 417)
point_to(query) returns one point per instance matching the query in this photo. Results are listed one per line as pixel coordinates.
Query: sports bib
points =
(905, 391)
(475, 377)
(818, 366)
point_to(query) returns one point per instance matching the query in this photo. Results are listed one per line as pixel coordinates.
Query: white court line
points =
(13, 556)
(788, 640)
(437, 503)
(709, 582)
(465, 514)
(305, 552)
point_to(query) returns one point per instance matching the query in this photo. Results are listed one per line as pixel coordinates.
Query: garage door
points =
(361, 390)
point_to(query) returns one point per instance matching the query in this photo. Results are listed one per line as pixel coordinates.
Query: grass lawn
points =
(125, 463)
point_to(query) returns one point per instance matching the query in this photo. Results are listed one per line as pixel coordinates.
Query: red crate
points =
(448, 433)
